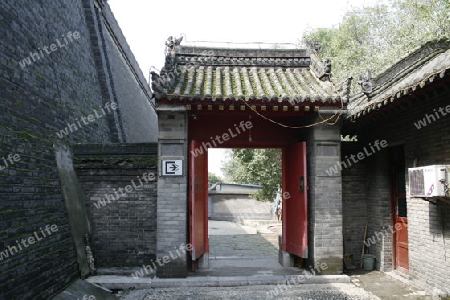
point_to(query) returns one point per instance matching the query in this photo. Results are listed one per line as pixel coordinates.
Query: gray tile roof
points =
(193, 74)
(420, 68)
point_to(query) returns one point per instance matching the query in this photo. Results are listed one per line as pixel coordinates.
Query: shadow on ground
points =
(387, 286)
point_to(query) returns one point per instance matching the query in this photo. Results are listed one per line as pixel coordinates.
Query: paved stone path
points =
(272, 233)
(243, 252)
(231, 239)
(241, 245)
(301, 292)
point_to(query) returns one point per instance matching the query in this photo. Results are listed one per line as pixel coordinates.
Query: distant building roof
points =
(201, 74)
(234, 188)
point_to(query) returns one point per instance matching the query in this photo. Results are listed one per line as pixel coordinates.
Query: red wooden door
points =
(198, 200)
(295, 200)
(400, 223)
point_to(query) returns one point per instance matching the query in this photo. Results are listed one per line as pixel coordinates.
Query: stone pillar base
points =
(203, 261)
(331, 265)
(285, 259)
(173, 269)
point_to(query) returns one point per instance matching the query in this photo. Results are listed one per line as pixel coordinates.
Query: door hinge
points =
(302, 184)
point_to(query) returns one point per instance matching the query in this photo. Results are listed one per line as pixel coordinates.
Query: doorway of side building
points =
(399, 209)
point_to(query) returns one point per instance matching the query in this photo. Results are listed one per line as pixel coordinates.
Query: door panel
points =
(401, 224)
(198, 199)
(295, 200)
(402, 246)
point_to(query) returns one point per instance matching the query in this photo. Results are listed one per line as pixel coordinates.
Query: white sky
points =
(147, 24)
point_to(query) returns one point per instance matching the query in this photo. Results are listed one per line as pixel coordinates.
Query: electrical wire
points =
(338, 114)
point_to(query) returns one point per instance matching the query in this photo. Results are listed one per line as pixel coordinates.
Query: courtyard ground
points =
(244, 265)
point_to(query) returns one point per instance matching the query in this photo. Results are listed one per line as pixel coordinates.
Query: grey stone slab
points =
(319, 279)
(81, 288)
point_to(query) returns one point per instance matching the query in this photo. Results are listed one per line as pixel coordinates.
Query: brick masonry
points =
(354, 208)
(123, 226)
(36, 102)
(238, 207)
(428, 223)
(123, 81)
(325, 199)
(172, 193)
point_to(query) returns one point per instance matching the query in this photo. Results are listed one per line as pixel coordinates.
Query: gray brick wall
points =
(325, 199)
(37, 101)
(238, 207)
(123, 228)
(126, 84)
(428, 231)
(172, 193)
(379, 206)
(354, 206)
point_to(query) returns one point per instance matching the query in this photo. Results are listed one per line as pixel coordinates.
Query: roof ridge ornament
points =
(171, 43)
(314, 46)
(322, 69)
(326, 76)
(162, 81)
(345, 88)
(366, 82)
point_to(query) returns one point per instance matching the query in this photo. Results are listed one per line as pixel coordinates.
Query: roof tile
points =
(242, 74)
(420, 68)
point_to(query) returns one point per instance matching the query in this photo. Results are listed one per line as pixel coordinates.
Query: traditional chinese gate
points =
(244, 98)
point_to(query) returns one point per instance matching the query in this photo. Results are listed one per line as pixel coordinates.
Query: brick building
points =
(408, 107)
(67, 77)
(398, 121)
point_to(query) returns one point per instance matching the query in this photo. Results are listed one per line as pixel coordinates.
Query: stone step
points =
(115, 282)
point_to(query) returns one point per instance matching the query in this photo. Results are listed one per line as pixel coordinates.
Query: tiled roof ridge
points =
(398, 74)
(408, 63)
(416, 57)
(240, 52)
(192, 72)
(354, 112)
(423, 66)
(205, 56)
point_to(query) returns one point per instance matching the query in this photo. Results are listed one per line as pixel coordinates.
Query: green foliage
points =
(369, 38)
(373, 38)
(213, 179)
(256, 166)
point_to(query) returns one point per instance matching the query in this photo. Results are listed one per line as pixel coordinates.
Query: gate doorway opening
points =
(242, 230)
(293, 242)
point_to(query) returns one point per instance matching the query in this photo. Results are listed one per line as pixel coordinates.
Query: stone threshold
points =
(116, 282)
